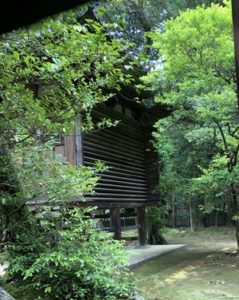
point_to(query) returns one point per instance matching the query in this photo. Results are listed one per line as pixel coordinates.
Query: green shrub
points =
(155, 224)
(85, 263)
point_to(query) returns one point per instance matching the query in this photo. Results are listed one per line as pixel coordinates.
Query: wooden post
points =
(78, 142)
(142, 228)
(191, 217)
(115, 222)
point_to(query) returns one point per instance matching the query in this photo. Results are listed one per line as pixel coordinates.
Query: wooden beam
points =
(115, 222)
(78, 142)
(235, 19)
(142, 225)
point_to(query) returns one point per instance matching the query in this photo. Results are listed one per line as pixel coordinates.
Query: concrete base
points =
(138, 255)
(143, 247)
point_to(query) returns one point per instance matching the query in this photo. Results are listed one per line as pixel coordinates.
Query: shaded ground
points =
(139, 255)
(199, 271)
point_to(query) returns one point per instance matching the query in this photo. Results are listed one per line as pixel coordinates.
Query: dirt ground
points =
(205, 269)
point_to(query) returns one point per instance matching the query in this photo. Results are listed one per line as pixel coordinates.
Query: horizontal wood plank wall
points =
(122, 148)
(125, 149)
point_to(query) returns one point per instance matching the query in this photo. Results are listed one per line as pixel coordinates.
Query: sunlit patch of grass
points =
(181, 275)
(130, 233)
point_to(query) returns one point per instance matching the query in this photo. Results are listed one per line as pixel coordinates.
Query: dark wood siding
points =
(67, 148)
(122, 148)
(132, 175)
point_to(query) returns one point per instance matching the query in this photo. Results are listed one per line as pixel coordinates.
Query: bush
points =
(155, 224)
(85, 263)
(61, 254)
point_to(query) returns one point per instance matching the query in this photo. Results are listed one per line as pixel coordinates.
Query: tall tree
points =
(196, 77)
(134, 18)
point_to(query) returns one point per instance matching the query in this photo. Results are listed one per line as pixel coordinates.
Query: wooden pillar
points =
(142, 226)
(115, 222)
(78, 142)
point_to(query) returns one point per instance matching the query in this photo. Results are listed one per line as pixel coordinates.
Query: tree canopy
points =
(195, 76)
(53, 72)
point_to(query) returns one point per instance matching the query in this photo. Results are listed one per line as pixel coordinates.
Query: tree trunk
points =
(216, 218)
(235, 211)
(230, 212)
(204, 218)
(191, 215)
(1, 239)
(237, 233)
(174, 221)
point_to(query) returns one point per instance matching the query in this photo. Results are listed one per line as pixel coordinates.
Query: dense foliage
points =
(60, 69)
(199, 142)
(133, 19)
(75, 262)
(53, 72)
(50, 75)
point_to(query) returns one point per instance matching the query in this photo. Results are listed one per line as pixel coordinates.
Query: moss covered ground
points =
(206, 269)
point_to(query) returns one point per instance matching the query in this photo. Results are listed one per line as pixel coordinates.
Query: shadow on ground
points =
(206, 269)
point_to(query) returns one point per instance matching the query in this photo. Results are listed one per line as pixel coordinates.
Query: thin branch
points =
(223, 137)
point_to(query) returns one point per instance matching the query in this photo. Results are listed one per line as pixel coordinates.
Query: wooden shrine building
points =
(126, 149)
